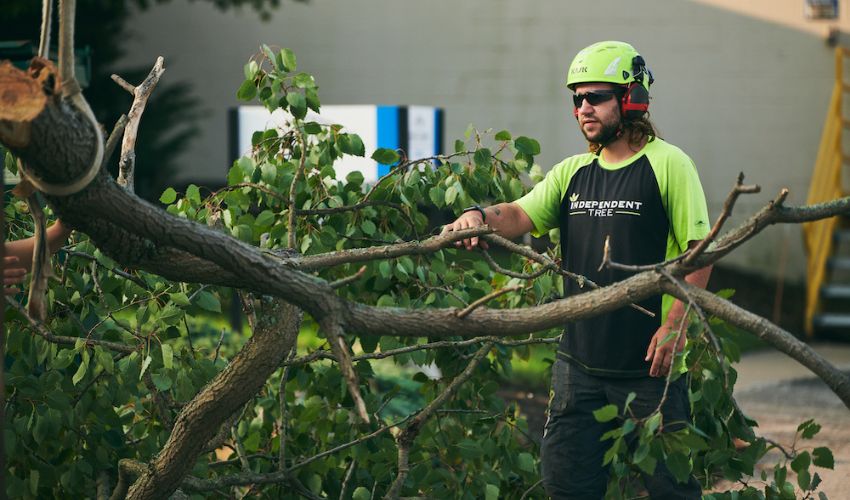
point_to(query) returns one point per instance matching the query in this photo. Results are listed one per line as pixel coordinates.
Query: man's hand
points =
(660, 349)
(13, 274)
(467, 220)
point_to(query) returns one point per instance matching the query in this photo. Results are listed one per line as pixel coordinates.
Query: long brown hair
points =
(637, 130)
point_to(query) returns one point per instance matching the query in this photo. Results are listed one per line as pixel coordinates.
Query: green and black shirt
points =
(651, 206)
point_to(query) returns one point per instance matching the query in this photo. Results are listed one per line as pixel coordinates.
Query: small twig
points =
(159, 402)
(499, 269)
(349, 473)
(291, 237)
(317, 355)
(529, 490)
(141, 94)
(218, 345)
(334, 333)
(542, 259)
(487, 298)
(424, 247)
(406, 438)
(349, 444)
(348, 279)
(118, 272)
(404, 165)
(41, 330)
(281, 455)
(112, 141)
(239, 447)
(738, 190)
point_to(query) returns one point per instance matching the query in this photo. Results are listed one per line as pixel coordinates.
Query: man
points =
(645, 195)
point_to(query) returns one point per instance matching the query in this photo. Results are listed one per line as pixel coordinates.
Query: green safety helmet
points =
(618, 63)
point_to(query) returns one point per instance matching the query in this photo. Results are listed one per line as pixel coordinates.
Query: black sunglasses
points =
(594, 97)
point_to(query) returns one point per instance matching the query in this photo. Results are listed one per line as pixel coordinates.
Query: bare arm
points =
(22, 250)
(507, 219)
(662, 355)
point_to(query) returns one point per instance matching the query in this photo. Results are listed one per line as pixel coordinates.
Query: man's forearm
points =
(508, 220)
(677, 310)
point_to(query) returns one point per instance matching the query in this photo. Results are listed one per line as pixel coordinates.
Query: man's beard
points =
(606, 135)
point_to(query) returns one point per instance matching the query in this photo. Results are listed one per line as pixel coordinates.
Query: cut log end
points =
(21, 97)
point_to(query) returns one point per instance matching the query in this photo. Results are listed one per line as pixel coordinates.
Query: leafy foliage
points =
(123, 350)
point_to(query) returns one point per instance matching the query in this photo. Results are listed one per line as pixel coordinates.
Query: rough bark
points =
(274, 335)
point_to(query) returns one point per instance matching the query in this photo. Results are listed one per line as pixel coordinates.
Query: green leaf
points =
(288, 58)
(822, 457)
(491, 492)
(368, 227)
(482, 157)
(145, 365)
(451, 195)
(179, 299)
(193, 194)
(503, 135)
(268, 173)
(168, 196)
(297, 104)
(81, 370)
(385, 156)
(312, 128)
(459, 146)
(265, 218)
(167, 356)
(809, 429)
(606, 413)
(34, 477)
(247, 91)
(525, 462)
(527, 145)
(162, 381)
(352, 145)
(361, 493)
(208, 301)
(679, 466)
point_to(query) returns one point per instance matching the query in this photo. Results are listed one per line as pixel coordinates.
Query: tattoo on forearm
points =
(497, 210)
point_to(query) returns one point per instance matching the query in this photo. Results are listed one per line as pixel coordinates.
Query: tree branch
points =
(141, 94)
(291, 240)
(770, 333)
(406, 438)
(738, 190)
(487, 298)
(334, 333)
(316, 355)
(39, 328)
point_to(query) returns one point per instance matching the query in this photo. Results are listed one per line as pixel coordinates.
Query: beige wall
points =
(738, 92)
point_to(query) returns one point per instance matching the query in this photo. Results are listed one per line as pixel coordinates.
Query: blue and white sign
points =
(418, 130)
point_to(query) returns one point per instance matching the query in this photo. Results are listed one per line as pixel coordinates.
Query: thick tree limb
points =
(274, 335)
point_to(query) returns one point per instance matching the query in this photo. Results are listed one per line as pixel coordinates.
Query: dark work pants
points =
(571, 451)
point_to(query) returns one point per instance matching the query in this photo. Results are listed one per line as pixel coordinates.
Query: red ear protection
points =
(635, 102)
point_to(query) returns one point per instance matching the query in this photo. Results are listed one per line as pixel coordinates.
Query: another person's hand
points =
(467, 220)
(661, 352)
(13, 274)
